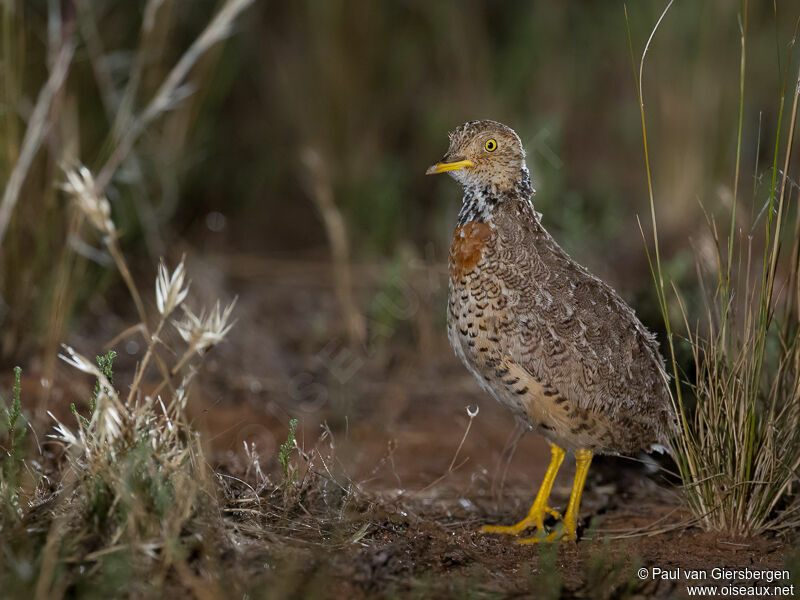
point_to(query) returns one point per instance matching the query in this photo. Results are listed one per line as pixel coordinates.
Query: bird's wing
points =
(575, 333)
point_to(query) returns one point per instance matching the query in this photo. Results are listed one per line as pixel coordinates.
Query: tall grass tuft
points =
(137, 484)
(739, 446)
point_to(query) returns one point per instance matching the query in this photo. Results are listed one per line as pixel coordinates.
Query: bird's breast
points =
(469, 243)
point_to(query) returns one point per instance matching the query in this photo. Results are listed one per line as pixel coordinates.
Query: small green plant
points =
(285, 453)
(609, 573)
(14, 413)
(547, 582)
(15, 431)
(105, 363)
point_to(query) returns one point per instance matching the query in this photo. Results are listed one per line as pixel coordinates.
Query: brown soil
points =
(396, 413)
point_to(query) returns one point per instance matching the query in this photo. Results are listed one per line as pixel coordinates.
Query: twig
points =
(453, 467)
(472, 415)
(35, 133)
(171, 91)
(322, 195)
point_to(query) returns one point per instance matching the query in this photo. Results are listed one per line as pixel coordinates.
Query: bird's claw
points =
(560, 534)
(553, 513)
(535, 520)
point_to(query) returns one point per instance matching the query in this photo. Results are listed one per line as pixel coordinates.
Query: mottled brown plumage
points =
(540, 333)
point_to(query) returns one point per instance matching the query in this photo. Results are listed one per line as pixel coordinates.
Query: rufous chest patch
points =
(466, 251)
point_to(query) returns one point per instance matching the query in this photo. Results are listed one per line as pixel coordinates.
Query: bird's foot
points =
(565, 531)
(535, 519)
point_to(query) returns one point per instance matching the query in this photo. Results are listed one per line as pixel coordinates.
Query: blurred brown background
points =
(315, 114)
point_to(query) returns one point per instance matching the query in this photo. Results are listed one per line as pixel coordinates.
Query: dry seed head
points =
(180, 397)
(204, 331)
(76, 360)
(80, 185)
(64, 434)
(107, 419)
(169, 294)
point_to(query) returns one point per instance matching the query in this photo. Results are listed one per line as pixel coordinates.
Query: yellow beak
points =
(443, 167)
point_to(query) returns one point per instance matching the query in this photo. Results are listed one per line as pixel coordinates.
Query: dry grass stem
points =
(322, 194)
(172, 90)
(35, 133)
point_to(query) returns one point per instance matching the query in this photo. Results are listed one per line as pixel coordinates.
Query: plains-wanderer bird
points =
(541, 334)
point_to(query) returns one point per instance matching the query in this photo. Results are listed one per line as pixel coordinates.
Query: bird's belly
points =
(476, 333)
(500, 394)
(484, 357)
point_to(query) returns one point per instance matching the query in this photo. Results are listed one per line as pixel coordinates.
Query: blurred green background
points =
(373, 88)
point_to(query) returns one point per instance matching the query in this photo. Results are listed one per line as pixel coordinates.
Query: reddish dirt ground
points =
(397, 414)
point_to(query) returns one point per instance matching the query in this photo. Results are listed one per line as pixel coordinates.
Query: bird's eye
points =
(490, 145)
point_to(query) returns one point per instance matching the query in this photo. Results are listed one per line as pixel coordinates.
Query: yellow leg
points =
(583, 458)
(539, 507)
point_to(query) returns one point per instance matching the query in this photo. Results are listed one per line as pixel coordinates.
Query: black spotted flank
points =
(580, 428)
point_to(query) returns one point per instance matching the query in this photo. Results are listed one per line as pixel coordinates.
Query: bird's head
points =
(483, 154)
